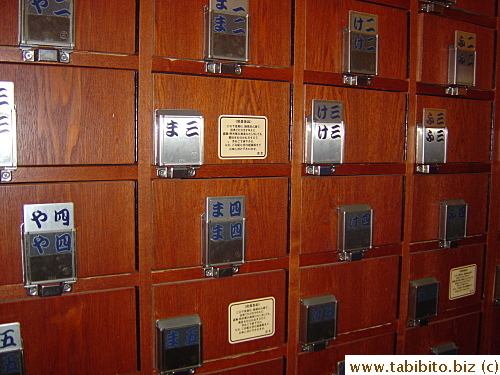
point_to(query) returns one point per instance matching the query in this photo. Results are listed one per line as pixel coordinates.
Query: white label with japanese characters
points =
(463, 281)
(251, 320)
(242, 137)
(48, 217)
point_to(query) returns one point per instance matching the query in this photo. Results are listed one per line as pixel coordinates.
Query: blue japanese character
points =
(321, 112)
(39, 4)
(191, 131)
(235, 208)
(430, 119)
(353, 221)
(63, 243)
(461, 41)
(37, 217)
(217, 232)
(172, 339)
(440, 136)
(365, 220)
(451, 214)
(440, 119)
(322, 132)
(220, 21)
(6, 340)
(336, 132)
(236, 230)
(330, 311)
(358, 42)
(239, 9)
(192, 336)
(217, 209)
(40, 242)
(10, 364)
(358, 23)
(335, 112)
(461, 212)
(221, 4)
(317, 314)
(430, 136)
(171, 126)
(62, 215)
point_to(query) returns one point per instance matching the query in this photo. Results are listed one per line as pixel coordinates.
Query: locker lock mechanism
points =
(432, 141)
(226, 39)
(49, 249)
(324, 138)
(423, 301)
(318, 322)
(355, 231)
(47, 30)
(461, 64)
(452, 222)
(179, 345)
(435, 6)
(360, 49)
(449, 348)
(223, 236)
(8, 143)
(179, 143)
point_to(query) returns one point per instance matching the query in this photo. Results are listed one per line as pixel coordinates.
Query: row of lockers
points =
(66, 118)
(105, 215)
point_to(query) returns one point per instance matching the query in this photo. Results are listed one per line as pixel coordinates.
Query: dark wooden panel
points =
(469, 126)
(321, 197)
(486, 7)
(325, 362)
(210, 299)
(324, 23)
(374, 133)
(178, 205)
(77, 334)
(431, 189)
(104, 218)
(270, 31)
(73, 115)
(463, 331)
(106, 26)
(9, 32)
(438, 263)
(438, 33)
(367, 290)
(275, 366)
(214, 97)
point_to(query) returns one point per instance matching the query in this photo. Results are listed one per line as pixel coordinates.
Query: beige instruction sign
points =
(251, 320)
(463, 281)
(242, 137)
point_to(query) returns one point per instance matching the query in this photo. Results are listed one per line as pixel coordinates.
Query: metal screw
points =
(6, 176)
(162, 173)
(237, 70)
(209, 273)
(28, 55)
(191, 172)
(33, 291)
(64, 57)
(236, 269)
(67, 288)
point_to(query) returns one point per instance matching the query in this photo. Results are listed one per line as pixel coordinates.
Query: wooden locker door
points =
(77, 334)
(463, 331)
(325, 362)
(324, 23)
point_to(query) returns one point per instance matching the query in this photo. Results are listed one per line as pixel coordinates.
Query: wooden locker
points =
(211, 298)
(326, 362)
(462, 331)
(104, 218)
(323, 36)
(216, 97)
(73, 116)
(431, 189)
(374, 122)
(269, 31)
(323, 195)
(82, 333)
(438, 33)
(468, 123)
(453, 292)
(100, 26)
(179, 204)
(366, 291)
